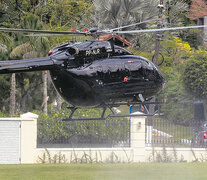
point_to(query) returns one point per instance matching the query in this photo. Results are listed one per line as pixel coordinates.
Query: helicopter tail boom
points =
(25, 65)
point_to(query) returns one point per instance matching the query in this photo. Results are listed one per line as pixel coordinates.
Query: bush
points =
(195, 74)
(179, 105)
(2, 114)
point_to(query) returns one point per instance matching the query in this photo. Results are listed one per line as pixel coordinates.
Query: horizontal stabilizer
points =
(26, 65)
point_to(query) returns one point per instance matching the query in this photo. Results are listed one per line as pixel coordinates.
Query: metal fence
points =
(116, 132)
(84, 134)
(161, 133)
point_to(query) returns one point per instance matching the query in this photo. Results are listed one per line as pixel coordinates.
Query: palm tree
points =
(116, 13)
(6, 40)
(12, 95)
(30, 47)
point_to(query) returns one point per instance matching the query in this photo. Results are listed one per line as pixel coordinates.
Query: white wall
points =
(138, 152)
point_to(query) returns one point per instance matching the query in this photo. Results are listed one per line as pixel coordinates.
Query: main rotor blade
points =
(159, 30)
(41, 31)
(52, 35)
(138, 23)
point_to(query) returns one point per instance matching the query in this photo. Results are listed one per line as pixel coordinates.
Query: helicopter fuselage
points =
(98, 77)
(92, 73)
(109, 80)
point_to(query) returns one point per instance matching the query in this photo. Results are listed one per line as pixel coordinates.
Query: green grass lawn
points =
(174, 171)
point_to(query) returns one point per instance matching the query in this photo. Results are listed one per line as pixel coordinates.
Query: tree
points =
(112, 14)
(195, 74)
(6, 41)
(29, 47)
(35, 14)
(69, 12)
(178, 103)
(45, 96)
(12, 95)
(5, 85)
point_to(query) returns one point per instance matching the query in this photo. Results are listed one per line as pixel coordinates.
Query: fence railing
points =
(161, 132)
(115, 132)
(84, 134)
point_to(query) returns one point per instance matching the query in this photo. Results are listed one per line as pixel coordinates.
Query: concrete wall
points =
(28, 137)
(87, 155)
(138, 152)
(175, 154)
(134, 154)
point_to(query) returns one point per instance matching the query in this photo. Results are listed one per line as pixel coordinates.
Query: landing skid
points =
(113, 113)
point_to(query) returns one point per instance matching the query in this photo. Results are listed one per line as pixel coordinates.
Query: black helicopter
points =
(95, 73)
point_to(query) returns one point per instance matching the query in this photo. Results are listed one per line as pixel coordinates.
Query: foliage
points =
(164, 157)
(140, 53)
(2, 114)
(21, 50)
(181, 45)
(175, 50)
(192, 36)
(195, 75)
(110, 14)
(4, 92)
(178, 103)
(69, 12)
(175, 11)
(28, 84)
(56, 159)
(76, 158)
(40, 14)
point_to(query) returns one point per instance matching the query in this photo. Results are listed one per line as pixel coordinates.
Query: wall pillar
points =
(28, 137)
(138, 137)
(205, 31)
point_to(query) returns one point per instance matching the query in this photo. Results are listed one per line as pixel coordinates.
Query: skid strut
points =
(113, 113)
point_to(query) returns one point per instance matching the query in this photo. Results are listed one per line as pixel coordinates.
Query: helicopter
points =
(95, 73)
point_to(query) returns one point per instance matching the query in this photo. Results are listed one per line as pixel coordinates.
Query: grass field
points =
(171, 171)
